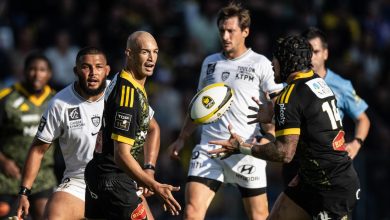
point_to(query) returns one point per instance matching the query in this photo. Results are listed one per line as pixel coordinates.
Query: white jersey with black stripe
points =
(76, 123)
(250, 75)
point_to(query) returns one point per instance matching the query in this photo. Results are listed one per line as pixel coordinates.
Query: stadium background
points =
(186, 31)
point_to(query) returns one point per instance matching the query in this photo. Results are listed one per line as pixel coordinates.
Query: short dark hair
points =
(89, 50)
(232, 10)
(36, 55)
(313, 32)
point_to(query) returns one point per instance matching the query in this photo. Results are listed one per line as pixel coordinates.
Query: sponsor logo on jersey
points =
(42, 124)
(195, 155)
(319, 88)
(122, 121)
(74, 114)
(281, 117)
(245, 73)
(207, 102)
(225, 76)
(246, 169)
(339, 141)
(210, 68)
(95, 120)
(139, 213)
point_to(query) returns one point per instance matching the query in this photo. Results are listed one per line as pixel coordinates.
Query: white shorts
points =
(243, 170)
(74, 186)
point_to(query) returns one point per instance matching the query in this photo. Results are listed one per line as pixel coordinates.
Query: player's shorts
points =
(326, 204)
(73, 186)
(111, 196)
(245, 171)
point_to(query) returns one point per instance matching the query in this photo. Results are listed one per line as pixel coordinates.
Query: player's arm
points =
(282, 150)
(186, 131)
(362, 126)
(152, 145)
(128, 164)
(31, 167)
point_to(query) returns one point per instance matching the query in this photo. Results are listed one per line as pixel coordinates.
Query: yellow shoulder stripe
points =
(129, 77)
(5, 92)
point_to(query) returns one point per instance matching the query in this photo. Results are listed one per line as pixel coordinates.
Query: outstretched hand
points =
(229, 147)
(264, 111)
(164, 191)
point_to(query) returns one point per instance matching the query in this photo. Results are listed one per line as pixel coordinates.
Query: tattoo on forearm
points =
(282, 150)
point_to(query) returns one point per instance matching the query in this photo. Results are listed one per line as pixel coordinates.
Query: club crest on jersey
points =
(339, 141)
(210, 68)
(122, 121)
(74, 114)
(225, 76)
(95, 120)
(207, 102)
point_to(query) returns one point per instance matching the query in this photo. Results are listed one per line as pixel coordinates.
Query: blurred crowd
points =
(186, 31)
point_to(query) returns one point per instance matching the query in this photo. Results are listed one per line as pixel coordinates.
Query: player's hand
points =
(175, 148)
(229, 147)
(23, 206)
(352, 148)
(264, 111)
(164, 191)
(10, 169)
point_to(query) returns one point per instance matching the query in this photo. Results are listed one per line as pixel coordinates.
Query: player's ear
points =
(108, 68)
(75, 70)
(326, 53)
(127, 52)
(245, 32)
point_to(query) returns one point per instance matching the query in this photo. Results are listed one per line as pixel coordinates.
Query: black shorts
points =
(111, 196)
(335, 203)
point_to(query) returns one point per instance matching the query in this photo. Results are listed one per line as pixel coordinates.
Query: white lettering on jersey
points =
(18, 102)
(281, 117)
(319, 87)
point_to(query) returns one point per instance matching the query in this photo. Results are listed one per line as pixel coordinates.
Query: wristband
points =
(269, 137)
(245, 150)
(149, 166)
(359, 140)
(24, 191)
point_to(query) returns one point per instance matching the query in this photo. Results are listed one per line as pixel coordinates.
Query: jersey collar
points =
(32, 98)
(126, 75)
(303, 75)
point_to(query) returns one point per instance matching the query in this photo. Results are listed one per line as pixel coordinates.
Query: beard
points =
(92, 92)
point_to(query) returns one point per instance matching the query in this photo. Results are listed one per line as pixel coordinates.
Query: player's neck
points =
(321, 72)
(235, 53)
(139, 79)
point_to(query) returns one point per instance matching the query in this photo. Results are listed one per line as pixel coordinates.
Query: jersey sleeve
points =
(124, 113)
(267, 83)
(287, 112)
(354, 105)
(51, 123)
(207, 68)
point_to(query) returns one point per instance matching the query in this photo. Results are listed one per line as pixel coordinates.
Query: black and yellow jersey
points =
(20, 114)
(307, 107)
(126, 118)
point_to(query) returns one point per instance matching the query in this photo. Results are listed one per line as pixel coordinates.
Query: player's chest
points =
(234, 74)
(86, 117)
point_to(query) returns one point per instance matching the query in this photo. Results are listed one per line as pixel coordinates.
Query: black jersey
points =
(126, 118)
(307, 107)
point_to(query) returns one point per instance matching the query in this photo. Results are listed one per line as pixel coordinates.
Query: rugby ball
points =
(210, 103)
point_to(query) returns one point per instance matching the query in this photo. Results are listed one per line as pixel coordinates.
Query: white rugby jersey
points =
(250, 75)
(76, 122)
